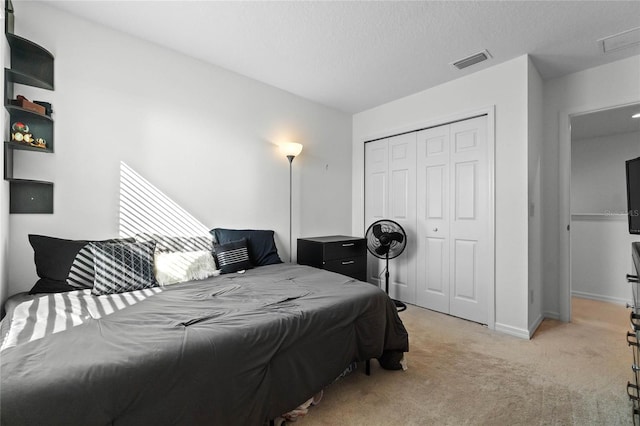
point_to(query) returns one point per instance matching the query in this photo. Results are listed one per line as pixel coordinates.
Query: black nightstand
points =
(337, 253)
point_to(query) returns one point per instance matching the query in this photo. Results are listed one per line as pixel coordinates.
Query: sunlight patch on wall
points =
(145, 209)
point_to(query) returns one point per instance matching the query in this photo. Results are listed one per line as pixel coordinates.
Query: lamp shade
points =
(291, 149)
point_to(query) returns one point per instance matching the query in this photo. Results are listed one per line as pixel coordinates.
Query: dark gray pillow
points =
(122, 267)
(62, 265)
(261, 245)
(232, 256)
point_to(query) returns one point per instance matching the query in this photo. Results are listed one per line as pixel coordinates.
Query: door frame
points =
(564, 207)
(489, 111)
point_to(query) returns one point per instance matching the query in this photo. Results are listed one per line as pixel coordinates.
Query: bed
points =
(239, 348)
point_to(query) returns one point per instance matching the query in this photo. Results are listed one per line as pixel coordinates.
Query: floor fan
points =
(387, 240)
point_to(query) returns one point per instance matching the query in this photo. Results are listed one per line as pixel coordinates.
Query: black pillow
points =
(262, 247)
(55, 258)
(232, 256)
(44, 285)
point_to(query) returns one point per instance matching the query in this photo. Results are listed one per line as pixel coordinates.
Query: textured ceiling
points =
(353, 56)
(606, 123)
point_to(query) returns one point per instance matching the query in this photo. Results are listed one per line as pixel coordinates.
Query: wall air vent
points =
(621, 40)
(471, 60)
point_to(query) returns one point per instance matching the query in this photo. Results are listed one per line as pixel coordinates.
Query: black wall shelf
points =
(31, 65)
(26, 147)
(30, 196)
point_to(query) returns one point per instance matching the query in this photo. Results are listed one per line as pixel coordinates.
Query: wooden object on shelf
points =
(25, 103)
(337, 253)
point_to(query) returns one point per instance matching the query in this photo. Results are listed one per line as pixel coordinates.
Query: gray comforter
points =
(232, 350)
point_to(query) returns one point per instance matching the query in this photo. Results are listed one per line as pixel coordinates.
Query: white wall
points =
(609, 85)
(600, 258)
(204, 136)
(534, 126)
(600, 239)
(505, 86)
(598, 180)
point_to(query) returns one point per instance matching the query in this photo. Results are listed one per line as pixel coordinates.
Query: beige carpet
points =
(461, 373)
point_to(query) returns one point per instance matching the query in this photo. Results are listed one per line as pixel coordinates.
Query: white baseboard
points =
(513, 331)
(533, 327)
(552, 315)
(600, 297)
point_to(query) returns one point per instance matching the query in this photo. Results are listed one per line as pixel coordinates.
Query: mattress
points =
(234, 349)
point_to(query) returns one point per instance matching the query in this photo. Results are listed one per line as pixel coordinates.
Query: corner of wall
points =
(535, 176)
(4, 212)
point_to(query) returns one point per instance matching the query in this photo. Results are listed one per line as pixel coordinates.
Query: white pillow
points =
(172, 268)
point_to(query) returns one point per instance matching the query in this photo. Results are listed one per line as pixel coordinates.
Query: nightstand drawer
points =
(344, 249)
(355, 267)
(337, 253)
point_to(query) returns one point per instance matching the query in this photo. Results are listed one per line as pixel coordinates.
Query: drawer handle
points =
(348, 244)
(632, 386)
(632, 340)
(635, 368)
(349, 262)
(632, 317)
(632, 278)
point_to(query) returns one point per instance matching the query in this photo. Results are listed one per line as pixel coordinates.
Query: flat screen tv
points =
(633, 195)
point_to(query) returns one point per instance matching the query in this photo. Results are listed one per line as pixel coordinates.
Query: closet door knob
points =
(435, 229)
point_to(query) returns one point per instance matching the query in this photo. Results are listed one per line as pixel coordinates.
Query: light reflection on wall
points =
(145, 209)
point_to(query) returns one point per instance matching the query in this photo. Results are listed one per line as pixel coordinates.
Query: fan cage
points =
(387, 226)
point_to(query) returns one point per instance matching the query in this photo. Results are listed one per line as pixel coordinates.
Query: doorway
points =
(600, 143)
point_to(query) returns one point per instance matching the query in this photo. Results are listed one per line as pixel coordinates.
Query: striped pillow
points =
(82, 275)
(122, 267)
(232, 256)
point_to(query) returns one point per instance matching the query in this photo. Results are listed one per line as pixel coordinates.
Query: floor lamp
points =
(291, 150)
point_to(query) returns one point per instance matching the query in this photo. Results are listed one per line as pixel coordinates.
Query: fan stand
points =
(400, 306)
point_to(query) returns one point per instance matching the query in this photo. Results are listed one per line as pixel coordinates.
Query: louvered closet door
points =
(390, 194)
(433, 219)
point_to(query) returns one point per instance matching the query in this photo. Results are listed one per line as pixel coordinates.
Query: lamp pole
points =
(291, 150)
(290, 157)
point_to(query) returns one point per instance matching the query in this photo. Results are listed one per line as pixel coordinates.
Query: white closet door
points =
(433, 219)
(468, 230)
(402, 209)
(390, 194)
(376, 155)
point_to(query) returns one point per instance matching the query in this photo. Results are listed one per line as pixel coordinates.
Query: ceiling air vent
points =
(471, 60)
(621, 40)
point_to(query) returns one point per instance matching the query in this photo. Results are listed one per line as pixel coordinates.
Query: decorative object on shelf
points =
(20, 132)
(291, 150)
(25, 103)
(387, 240)
(39, 143)
(47, 107)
